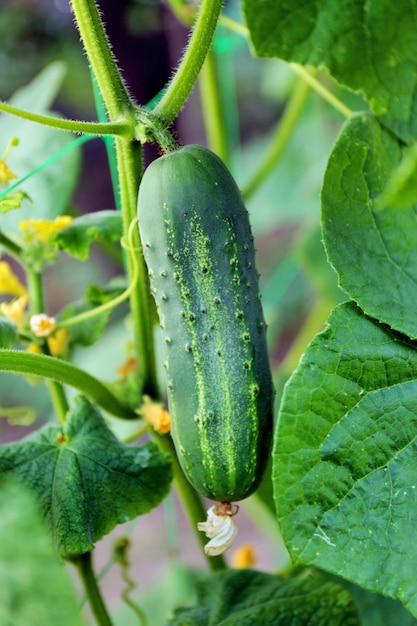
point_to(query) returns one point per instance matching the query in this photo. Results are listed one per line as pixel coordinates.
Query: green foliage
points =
(244, 598)
(51, 189)
(13, 201)
(359, 45)
(8, 333)
(85, 479)
(376, 609)
(87, 332)
(344, 455)
(34, 588)
(103, 226)
(373, 249)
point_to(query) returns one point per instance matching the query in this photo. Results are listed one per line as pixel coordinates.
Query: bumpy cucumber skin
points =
(199, 251)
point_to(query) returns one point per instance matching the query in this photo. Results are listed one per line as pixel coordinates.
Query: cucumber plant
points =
(331, 477)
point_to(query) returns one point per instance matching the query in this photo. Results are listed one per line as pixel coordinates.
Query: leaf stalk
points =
(84, 566)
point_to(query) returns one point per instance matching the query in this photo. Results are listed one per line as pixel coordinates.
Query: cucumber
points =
(199, 250)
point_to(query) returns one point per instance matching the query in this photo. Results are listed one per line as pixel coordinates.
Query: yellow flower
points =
(41, 230)
(244, 557)
(15, 310)
(6, 174)
(9, 282)
(34, 348)
(155, 414)
(57, 343)
(42, 325)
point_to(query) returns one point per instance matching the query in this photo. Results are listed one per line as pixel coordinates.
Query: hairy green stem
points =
(191, 500)
(108, 142)
(280, 138)
(66, 374)
(212, 110)
(120, 129)
(191, 63)
(84, 566)
(97, 47)
(129, 167)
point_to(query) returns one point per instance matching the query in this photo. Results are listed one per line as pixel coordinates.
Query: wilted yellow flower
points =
(244, 557)
(6, 174)
(41, 230)
(130, 365)
(156, 415)
(15, 310)
(42, 325)
(9, 282)
(57, 343)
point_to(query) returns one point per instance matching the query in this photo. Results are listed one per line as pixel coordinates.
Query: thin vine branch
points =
(187, 72)
(63, 372)
(119, 129)
(212, 110)
(11, 246)
(111, 304)
(280, 138)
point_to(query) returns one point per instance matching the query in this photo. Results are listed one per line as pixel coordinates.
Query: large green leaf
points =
(367, 46)
(77, 238)
(345, 456)
(248, 597)
(51, 188)
(377, 610)
(373, 249)
(86, 480)
(34, 588)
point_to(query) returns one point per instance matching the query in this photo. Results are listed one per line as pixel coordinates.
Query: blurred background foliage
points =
(298, 286)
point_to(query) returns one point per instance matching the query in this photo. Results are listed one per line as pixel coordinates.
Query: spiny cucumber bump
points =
(201, 261)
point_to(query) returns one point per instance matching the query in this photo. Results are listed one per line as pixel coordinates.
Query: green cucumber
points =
(198, 247)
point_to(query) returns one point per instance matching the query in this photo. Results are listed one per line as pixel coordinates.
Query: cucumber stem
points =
(191, 500)
(83, 564)
(37, 305)
(129, 165)
(100, 57)
(183, 81)
(64, 373)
